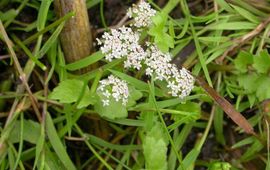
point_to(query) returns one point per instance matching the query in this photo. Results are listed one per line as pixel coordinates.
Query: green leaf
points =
(31, 132)
(160, 19)
(47, 45)
(42, 14)
(252, 150)
(68, 91)
(133, 96)
(189, 159)
(164, 42)
(158, 132)
(155, 149)
(242, 60)
(263, 90)
(243, 25)
(138, 84)
(92, 3)
(162, 39)
(255, 84)
(223, 4)
(114, 110)
(52, 161)
(85, 61)
(248, 82)
(7, 15)
(98, 141)
(262, 62)
(191, 107)
(251, 99)
(220, 166)
(243, 142)
(57, 145)
(40, 148)
(246, 14)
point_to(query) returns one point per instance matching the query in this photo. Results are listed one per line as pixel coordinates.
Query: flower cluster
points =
(113, 88)
(142, 14)
(124, 43)
(180, 82)
(120, 43)
(158, 64)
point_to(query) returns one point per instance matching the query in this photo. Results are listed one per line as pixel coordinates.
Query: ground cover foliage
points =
(139, 107)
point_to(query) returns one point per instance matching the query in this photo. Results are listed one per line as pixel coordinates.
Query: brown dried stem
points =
(76, 36)
(239, 42)
(20, 71)
(240, 120)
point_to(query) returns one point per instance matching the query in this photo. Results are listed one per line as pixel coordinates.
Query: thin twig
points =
(20, 70)
(71, 138)
(239, 42)
(45, 104)
(2, 57)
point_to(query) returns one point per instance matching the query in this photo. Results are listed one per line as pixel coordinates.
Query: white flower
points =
(158, 64)
(180, 82)
(122, 43)
(105, 102)
(113, 87)
(142, 14)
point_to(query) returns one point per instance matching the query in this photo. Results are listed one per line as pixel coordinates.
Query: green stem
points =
(163, 122)
(92, 149)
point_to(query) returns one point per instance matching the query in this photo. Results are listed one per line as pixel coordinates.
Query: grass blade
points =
(57, 144)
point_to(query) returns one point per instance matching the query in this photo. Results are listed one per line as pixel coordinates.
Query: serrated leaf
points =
(155, 154)
(155, 149)
(262, 62)
(191, 107)
(263, 90)
(158, 132)
(68, 91)
(160, 19)
(242, 60)
(133, 96)
(248, 82)
(161, 38)
(164, 42)
(114, 110)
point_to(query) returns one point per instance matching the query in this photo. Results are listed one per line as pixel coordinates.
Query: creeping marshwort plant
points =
(124, 43)
(127, 105)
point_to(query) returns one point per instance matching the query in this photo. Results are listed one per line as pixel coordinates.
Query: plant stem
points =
(76, 36)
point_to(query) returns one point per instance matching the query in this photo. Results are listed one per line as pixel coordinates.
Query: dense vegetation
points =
(176, 84)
